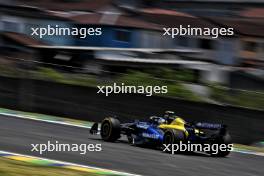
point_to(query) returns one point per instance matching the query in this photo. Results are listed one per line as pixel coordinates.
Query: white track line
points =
(42, 120)
(249, 152)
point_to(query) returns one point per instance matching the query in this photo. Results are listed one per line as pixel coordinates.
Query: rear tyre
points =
(110, 129)
(171, 137)
(226, 140)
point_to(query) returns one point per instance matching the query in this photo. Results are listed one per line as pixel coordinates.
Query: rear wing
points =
(212, 126)
(209, 126)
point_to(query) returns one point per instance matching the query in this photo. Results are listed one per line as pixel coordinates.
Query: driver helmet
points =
(169, 116)
(157, 120)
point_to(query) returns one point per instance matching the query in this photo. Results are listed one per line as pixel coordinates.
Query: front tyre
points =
(110, 129)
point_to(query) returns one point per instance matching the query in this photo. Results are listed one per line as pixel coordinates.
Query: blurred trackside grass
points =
(49, 74)
(75, 79)
(134, 78)
(242, 98)
(10, 167)
(8, 71)
(175, 89)
(150, 77)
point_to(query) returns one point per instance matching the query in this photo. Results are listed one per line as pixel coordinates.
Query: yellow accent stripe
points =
(20, 158)
(77, 168)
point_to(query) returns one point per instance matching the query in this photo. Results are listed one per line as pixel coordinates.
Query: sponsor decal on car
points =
(152, 136)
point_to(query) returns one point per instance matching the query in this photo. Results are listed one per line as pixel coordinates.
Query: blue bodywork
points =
(143, 133)
(149, 133)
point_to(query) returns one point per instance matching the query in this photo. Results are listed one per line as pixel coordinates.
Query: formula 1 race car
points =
(162, 131)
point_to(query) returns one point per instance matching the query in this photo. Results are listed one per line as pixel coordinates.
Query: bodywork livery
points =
(160, 130)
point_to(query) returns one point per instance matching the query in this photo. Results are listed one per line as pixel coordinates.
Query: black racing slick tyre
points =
(227, 141)
(171, 137)
(110, 129)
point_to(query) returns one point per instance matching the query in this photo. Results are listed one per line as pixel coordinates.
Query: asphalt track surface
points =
(16, 135)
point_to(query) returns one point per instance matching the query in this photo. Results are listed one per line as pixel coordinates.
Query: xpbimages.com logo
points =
(127, 89)
(65, 31)
(196, 31)
(191, 147)
(62, 147)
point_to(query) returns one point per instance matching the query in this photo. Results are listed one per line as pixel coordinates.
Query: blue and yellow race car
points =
(163, 131)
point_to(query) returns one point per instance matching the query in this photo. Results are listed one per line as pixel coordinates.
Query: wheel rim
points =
(105, 129)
